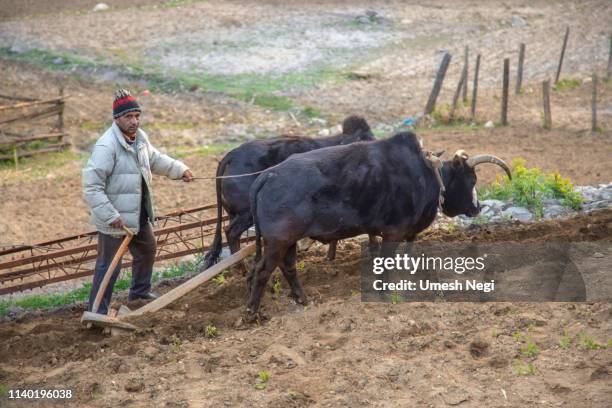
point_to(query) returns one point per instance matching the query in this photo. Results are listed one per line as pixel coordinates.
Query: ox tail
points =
(212, 257)
(257, 185)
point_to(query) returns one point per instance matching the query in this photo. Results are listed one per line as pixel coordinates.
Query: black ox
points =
(386, 188)
(257, 155)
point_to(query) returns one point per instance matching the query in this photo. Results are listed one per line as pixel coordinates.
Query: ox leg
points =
(238, 224)
(388, 249)
(331, 252)
(290, 274)
(273, 257)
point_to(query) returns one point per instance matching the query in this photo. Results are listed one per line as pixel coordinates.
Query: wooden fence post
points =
(475, 87)
(433, 96)
(519, 71)
(562, 55)
(546, 103)
(506, 84)
(60, 113)
(465, 73)
(609, 71)
(594, 105)
(462, 81)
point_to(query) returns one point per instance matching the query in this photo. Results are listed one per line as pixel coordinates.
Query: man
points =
(117, 187)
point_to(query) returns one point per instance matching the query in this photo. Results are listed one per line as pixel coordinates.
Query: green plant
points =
(277, 287)
(220, 278)
(530, 349)
(262, 380)
(529, 186)
(176, 344)
(396, 298)
(210, 332)
(300, 266)
(518, 336)
(589, 343)
(311, 112)
(565, 84)
(565, 341)
(524, 369)
(3, 390)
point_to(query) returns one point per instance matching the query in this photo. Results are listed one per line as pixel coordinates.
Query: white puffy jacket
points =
(112, 179)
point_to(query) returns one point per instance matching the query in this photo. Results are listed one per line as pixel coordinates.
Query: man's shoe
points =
(146, 296)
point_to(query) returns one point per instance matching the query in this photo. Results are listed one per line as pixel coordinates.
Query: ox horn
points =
(488, 158)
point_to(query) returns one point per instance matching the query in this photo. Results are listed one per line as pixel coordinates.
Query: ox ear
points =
(439, 153)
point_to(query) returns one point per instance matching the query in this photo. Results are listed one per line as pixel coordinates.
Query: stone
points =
(553, 211)
(518, 213)
(134, 384)
(489, 125)
(518, 21)
(323, 133)
(497, 205)
(59, 61)
(101, 7)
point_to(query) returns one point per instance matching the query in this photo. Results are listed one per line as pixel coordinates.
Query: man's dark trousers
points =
(142, 247)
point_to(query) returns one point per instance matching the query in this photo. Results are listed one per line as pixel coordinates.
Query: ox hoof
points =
(301, 300)
(250, 317)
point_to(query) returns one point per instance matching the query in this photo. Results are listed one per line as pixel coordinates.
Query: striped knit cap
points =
(124, 102)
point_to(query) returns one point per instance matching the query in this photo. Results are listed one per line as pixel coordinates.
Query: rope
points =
(236, 175)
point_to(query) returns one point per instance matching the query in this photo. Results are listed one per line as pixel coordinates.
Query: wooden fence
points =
(15, 145)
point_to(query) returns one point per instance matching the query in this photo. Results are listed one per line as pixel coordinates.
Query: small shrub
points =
(565, 84)
(589, 343)
(565, 341)
(262, 379)
(529, 186)
(525, 369)
(396, 298)
(530, 349)
(211, 332)
(220, 279)
(277, 287)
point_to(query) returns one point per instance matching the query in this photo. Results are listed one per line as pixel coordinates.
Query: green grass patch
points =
(311, 112)
(47, 59)
(3, 390)
(589, 343)
(208, 150)
(172, 126)
(529, 186)
(37, 167)
(565, 84)
(93, 126)
(565, 341)
(524, 369)
(261, 90)
(530, 349)
(81, 294)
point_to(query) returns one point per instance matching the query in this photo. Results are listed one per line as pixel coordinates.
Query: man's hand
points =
(118, 223)
(187, 176)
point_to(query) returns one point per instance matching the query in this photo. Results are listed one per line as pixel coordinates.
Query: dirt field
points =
(338, 351)
(217, 72)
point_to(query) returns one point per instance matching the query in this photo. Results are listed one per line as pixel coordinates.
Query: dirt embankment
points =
(338, 351)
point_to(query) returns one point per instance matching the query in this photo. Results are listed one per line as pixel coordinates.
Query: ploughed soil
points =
(338, 350)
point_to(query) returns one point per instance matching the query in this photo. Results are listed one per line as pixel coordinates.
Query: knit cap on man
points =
(123, 103)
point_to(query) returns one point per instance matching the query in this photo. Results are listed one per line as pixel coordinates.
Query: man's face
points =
(129, 122)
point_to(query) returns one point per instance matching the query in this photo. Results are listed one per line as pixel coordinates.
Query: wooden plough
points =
(116, 320)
